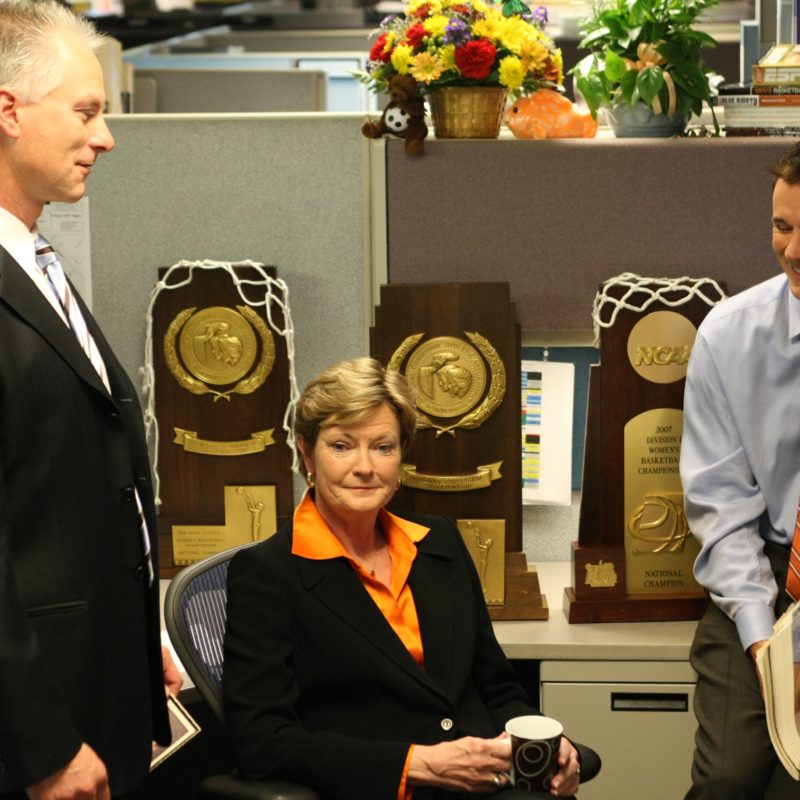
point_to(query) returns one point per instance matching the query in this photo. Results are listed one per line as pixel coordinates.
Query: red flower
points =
(422, 11)
(415, 34)
(476, 58)
(460, 9)
(377, 53)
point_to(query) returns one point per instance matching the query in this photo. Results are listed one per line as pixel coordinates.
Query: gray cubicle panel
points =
(225, 40)
(557, 218)
(281, 189)
(230, 90)
(343, 92)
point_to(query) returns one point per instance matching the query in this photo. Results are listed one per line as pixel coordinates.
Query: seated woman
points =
(360, 659)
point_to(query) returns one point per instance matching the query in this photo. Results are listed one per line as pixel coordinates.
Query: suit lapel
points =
(19, 292)
(430, 582)
(336, 585)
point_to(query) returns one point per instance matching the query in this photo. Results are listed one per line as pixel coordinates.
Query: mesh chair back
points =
(194, 615)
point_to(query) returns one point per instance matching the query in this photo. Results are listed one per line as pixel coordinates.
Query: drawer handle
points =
(649, 701)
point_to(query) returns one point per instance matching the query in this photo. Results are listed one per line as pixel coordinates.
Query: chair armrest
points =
(589, 760)
(232, 787)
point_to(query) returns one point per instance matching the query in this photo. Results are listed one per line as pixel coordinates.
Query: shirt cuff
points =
(406, 792)
(754, 623)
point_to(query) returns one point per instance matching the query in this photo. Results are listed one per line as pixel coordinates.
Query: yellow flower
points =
(391, 38)
(448, 55)
(435, 25)
(490, 27)
(514, 31)
(511, 73)
(534, 55)
(401, 58)
(558, 60)
(426, 67)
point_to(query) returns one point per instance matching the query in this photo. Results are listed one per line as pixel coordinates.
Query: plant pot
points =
(467, 112)
(640, 121)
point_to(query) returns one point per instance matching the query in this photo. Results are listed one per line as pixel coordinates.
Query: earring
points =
(399, 482)
(310, 480)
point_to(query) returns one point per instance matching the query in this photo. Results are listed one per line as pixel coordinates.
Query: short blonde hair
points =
(348, 392)
(29, 56)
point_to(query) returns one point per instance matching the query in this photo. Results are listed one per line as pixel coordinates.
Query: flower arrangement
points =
(443, 43)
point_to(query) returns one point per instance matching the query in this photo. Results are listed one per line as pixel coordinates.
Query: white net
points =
(635, 293)
(275, 298)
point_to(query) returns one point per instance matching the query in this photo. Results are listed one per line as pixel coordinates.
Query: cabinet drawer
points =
(644, 733)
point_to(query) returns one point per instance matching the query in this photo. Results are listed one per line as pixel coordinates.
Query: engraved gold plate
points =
(449, 378)
(192, 443)
(486, 542)
(250, 515)
(480, 479)
(659, 346)
(218, 346)
(601, 575)
(659, 549)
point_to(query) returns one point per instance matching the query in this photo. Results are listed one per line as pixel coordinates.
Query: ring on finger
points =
(498, 779)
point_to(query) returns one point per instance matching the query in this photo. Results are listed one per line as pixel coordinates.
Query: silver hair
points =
(29, 63)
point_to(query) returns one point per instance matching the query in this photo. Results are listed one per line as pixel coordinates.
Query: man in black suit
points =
(81, 670)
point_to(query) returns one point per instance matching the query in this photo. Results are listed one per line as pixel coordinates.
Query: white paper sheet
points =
(547, 400)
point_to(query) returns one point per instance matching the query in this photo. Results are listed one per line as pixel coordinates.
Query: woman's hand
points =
(467, 765)
(566, 780)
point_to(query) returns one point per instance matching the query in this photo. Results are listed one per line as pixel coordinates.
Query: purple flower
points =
(456, 32)
(538, 16)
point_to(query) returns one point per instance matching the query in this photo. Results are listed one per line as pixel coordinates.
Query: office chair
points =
(194, 615)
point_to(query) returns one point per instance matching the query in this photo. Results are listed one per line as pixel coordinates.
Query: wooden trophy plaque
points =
(459, 347)
(221, 390)
(634, 555)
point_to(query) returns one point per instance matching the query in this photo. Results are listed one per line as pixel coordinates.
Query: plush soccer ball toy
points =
(404, 116)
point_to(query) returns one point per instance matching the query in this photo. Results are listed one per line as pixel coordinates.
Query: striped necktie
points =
(51, 267)
(793, 573)
(48, 262)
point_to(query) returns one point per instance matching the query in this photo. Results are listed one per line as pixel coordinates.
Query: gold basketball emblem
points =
(219, 347)
(449, 378)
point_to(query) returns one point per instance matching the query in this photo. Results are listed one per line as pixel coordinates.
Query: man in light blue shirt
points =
(740, 467)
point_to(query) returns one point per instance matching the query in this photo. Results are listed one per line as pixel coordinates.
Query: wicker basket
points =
(467, 112)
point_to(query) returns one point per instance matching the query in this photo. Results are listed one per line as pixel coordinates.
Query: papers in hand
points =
(183, 728)
(779, 666)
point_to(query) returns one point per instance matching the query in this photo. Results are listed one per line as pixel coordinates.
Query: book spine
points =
(775, 89)
(773, 75)
(759, 100)
(762, 131)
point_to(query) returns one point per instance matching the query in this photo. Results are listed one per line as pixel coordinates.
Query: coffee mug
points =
(535, 742)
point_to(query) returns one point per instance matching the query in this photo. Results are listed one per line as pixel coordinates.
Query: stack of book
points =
(770, 105)
(779, 669)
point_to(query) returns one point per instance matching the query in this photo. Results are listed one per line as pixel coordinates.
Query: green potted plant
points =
(645, 65)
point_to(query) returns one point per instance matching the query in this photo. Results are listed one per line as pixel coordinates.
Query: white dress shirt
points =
(21, 246)
(740, 455)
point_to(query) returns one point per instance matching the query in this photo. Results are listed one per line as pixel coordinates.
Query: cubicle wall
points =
(284, 190)
(181, 91)
(557, 218)
(338, 54)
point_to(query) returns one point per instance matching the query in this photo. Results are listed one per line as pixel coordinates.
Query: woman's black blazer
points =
(319, 689)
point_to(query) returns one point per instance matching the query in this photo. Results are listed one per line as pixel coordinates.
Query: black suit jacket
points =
(318, 687)
(80, 652)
